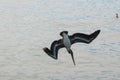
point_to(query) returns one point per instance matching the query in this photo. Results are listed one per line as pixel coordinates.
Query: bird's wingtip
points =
(46, 50)
(98, 31)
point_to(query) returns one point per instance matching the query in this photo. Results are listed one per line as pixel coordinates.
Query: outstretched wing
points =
(55, 46)
(85, 38)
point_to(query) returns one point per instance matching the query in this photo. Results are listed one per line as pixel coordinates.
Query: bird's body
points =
(67, 41)
(67, 44)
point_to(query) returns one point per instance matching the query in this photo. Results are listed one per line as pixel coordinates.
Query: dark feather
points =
(84, 38)
(55, 46)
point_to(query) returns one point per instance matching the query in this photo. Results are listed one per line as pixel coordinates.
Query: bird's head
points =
(61, 33)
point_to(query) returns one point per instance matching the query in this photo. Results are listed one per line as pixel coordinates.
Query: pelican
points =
(67, 41)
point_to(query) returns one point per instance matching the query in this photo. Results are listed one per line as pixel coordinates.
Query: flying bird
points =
(67, 41)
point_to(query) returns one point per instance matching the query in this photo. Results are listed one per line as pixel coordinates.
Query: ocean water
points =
(27, 26)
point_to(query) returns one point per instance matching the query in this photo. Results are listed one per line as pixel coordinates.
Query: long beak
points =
(72, 57)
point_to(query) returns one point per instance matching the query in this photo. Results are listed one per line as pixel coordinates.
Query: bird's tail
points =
(71, 52)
